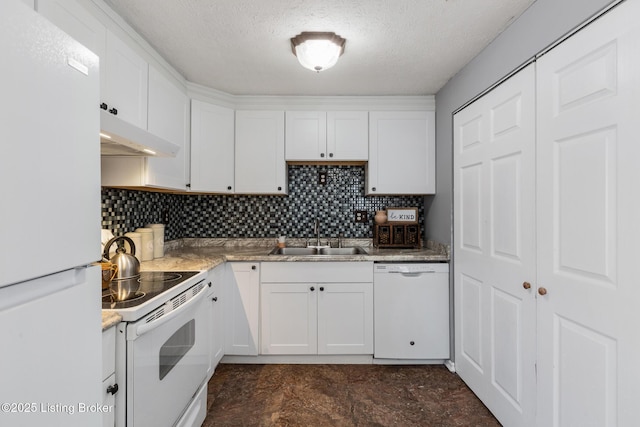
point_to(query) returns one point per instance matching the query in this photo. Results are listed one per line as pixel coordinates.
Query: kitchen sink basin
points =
(319, 251)
(294, 251)
(343, 251)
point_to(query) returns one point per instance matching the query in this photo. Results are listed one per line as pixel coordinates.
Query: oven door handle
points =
(143, 328)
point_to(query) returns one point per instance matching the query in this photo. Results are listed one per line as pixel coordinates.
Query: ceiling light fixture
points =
(317, 51)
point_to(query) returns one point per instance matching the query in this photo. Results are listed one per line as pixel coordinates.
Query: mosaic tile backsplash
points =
(240, 216)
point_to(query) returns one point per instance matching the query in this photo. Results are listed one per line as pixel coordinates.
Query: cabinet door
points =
(345, 318)
(260, 167)
(217, 279)
(306, 135)
(288, 318)
(109, 401)
(168, 118)
(212, 147)
(495, 252)
(588, 207)
(348, 135)
(242, 309)
(126, 82)
(401, 153)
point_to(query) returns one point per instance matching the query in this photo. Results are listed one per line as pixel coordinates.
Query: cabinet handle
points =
(412, 343)
(321, 154)
(114, 111)
(279, 188)
(229, 188)
(542, 291)
(214, 299)
(330, 154)
(103, 106)
(373, 189)
(526, 285)
(209, 284)
(312, 289)
(253, 267)
(188, 185)
(321, 288)
(112, 389)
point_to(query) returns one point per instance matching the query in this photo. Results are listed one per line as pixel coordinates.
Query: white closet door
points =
(588, 225)
(494, 242)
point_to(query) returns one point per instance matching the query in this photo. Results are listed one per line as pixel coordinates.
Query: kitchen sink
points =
(356, 250)
(294, 251)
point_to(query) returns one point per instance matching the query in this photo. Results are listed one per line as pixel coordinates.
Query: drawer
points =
(316, 272)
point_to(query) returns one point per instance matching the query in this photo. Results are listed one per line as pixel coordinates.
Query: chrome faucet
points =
(316, 231)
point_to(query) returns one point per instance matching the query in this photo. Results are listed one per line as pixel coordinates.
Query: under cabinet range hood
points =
(120, 138)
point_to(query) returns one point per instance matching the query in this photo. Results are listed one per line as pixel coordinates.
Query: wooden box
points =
(396, 236)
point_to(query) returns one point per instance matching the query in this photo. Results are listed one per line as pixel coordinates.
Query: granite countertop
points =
(204, 254)
(110, 319)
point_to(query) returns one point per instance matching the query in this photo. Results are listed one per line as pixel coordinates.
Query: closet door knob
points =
(526, 285)
(542, 291)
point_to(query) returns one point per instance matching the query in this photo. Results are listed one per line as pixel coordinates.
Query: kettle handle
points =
(107, 246)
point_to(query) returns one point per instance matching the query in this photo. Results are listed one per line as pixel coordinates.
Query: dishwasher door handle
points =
(412, 274)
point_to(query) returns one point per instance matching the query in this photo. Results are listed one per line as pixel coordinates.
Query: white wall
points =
(543, 23)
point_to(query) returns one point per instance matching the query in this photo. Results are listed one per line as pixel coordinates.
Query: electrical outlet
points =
(361, 216)
(322, 177)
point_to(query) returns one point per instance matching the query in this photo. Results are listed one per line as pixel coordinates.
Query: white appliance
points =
(50, 323)
(163, 350)
(411, 307)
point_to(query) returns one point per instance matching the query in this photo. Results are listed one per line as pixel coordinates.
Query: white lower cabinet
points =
(316, 308)
(216, 281)
(109, 386)
(241, 308)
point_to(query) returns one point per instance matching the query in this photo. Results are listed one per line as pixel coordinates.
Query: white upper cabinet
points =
(212, 148)
(168, 118)
(126, 82)
(260, 166)
(326, 136)
(401, 153)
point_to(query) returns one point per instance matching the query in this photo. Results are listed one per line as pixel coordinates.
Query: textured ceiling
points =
(394, 47)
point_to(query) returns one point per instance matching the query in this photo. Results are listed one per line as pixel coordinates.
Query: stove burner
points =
(159, 276)
(110, 300)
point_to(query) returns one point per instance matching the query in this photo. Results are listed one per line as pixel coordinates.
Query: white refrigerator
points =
(50, 322)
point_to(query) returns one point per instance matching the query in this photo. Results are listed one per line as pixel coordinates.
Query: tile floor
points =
(342, 395)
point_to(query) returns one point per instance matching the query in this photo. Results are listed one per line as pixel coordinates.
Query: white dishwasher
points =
(411, 311)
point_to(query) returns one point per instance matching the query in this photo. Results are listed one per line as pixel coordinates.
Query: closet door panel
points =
(494, 248)
(587, 154)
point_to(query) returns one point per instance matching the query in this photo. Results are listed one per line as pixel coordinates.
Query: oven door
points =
(167, 360)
